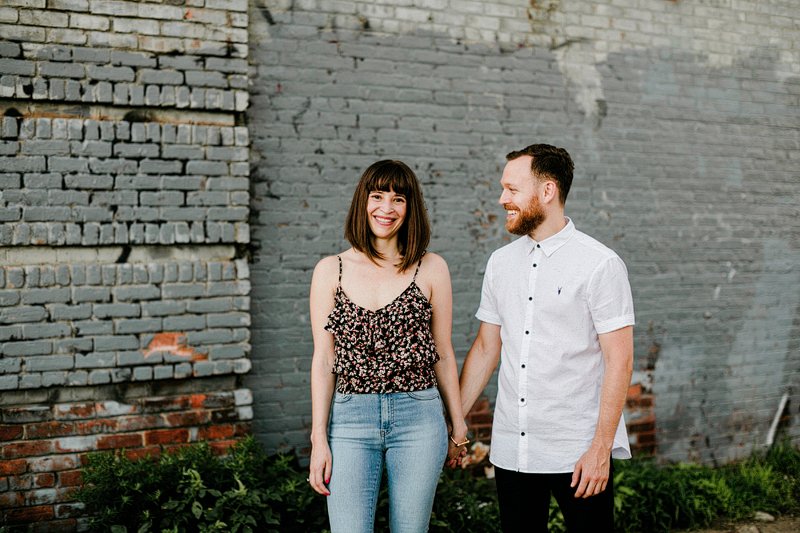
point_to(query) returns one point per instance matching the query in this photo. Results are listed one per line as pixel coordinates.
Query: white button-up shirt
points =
(551, 299)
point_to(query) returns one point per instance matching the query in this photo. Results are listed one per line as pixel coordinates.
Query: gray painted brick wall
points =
(111, 325)
(126, 53)
(682, 120)
(89, 192)
(124, 193)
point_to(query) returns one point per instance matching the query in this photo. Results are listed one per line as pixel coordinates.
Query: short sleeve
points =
(609, 296)
(487, 311)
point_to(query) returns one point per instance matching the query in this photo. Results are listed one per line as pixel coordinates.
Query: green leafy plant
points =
(196, 490)
(247, 490)
(656, 498)
(464, 503)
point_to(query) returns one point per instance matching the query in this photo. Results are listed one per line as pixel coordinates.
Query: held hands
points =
(319, 468)
(456, 444)
(591, 472)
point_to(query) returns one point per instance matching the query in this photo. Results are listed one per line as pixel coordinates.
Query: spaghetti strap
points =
(340, 270)
(417, 270)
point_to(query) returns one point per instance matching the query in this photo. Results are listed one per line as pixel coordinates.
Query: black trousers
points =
(525, 502)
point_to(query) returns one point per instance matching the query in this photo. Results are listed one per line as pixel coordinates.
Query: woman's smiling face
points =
(387, 212)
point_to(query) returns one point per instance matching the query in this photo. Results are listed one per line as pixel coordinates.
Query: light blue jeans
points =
(405, 431)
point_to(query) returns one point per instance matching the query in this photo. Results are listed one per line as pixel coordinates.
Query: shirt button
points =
(527, 332)
(523, 433)
(523, 365)
(522, 400)
(534, 265)
(530, 298)
(538, 245)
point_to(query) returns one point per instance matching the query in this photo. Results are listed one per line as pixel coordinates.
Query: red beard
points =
(527, 220)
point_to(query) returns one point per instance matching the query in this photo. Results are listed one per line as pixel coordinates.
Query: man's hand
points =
(456, 435)
(591, 472)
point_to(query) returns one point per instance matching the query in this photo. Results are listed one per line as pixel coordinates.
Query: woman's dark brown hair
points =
(414, 234)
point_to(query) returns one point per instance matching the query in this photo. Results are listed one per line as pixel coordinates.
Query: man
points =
(556, 312)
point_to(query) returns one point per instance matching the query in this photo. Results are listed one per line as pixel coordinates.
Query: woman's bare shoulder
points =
(434, 262)
(327, 268)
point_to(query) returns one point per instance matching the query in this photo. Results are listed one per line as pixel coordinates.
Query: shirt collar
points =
(553, 242)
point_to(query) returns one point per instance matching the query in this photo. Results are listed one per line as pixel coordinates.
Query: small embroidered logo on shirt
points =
(559, 290)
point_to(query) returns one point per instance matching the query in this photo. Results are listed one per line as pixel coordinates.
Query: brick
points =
(123, 326)
(76, 444)
(48, 429)
(69, 478)
(30, 413)
(53, 463)
(30, 514)
(115, 74)
(207, 168)
(115, 310)
(10, 432)
(137, 293)
(49, 362)
(118, 342)
(142, 373)
(99, 377)
(108, 442)
(163, 372)
(46, 480)
(95, 360)
(243, 397)
(27, 348)
(166, 436)
(74, 411)
(40, 331)
(8, 297)
(13, 467)
(184, 323)
(216, 432)
(10, 499)
(210, 305)
(30, 380)
(16, 66)
(89, 22)
(90, 294)
(182, 290)
(93, 327)
(17, 450)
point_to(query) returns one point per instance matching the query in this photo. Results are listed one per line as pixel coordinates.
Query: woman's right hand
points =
(319, 469)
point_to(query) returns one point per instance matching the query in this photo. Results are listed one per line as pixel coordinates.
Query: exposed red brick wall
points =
(42, 448)
(641, 420)
(479, 421)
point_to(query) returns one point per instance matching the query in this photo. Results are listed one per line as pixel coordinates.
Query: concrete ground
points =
(782, 524)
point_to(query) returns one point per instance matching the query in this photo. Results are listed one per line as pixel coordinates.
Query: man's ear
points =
(550, 192)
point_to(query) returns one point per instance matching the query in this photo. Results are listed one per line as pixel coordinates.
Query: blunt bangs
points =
(390, 177)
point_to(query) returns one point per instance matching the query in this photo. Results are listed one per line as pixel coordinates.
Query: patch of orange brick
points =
(174, 343)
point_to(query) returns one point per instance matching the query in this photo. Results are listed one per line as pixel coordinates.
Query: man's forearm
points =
(618, 354)
(479, 365)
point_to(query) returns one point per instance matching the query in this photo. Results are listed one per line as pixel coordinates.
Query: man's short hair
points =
(549, 163)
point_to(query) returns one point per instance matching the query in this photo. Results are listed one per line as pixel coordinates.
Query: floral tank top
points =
(387, 350)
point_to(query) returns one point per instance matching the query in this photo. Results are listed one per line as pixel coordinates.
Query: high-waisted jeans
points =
(405, 431)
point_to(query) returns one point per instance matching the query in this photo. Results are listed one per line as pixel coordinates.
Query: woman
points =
(381, 320)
